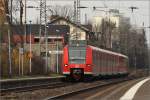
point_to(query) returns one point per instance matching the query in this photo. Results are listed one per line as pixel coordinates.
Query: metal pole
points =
(30, 69)
(46, 62)
(0, 47)
(135, 60)
(46, 36)
(10, 67)
(11, 10)
(25, 21)
(149, 37)
(22, 62)
(57, 54)
(19, 61)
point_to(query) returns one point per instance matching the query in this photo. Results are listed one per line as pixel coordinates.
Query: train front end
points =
(77, 61)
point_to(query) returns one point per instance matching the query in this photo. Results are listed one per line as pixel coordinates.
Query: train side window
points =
(94, 55)
(114, 61)
(97, 58)
(105, 60)
(111, 61)
(100, 58)
(109, 58)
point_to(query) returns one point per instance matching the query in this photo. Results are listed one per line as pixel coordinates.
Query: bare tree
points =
(63, 11)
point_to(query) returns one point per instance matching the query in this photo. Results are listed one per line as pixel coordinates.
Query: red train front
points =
(77, 61)
(84, 60)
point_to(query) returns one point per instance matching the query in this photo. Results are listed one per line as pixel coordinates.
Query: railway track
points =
(86, 89)
(29, 85)
(34, 87)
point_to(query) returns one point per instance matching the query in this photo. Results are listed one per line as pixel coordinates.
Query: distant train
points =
(85, 61)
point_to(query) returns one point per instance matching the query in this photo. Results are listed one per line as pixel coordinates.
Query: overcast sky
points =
(137, 17)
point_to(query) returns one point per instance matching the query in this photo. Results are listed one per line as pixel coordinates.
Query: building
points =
(77, 32)
(107, 29)
(58, 32)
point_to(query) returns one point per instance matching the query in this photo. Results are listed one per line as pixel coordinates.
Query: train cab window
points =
(77, 55)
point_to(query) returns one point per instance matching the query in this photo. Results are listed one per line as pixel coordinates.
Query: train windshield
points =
(77, 55)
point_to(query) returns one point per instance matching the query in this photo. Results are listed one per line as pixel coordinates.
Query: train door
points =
(97, 65)
(100, 63)
(110, 64)
(98, 68)
(105, 63)
(94, 62)
(117, 66)
(120, 65)
(113, 64)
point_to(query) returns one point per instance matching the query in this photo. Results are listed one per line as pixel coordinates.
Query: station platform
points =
(30, 78)
(137, 89)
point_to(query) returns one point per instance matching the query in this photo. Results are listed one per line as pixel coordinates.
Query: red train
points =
(81, 61)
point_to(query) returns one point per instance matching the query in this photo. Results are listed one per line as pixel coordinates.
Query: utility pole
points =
(25, 22)
(86, 22)
(78, 12)
(75, 17)
(43, 21)
(30, 69)
(10, 67)
(135, 47)
(21, 12)
(11, 6)
(149, 37)
(57, 53)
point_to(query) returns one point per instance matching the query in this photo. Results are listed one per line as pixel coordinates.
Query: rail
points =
(30, 84)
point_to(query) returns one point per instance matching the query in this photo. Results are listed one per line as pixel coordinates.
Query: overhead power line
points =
(92, 0)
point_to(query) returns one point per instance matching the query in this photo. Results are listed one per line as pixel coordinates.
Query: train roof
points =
(107, 51)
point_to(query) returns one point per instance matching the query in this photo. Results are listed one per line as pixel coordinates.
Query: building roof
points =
(52, 30)
(70, 22)
(58, 29)
(35, 28)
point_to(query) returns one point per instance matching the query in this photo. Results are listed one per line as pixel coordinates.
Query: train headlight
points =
(66, 65)
(88, 65)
